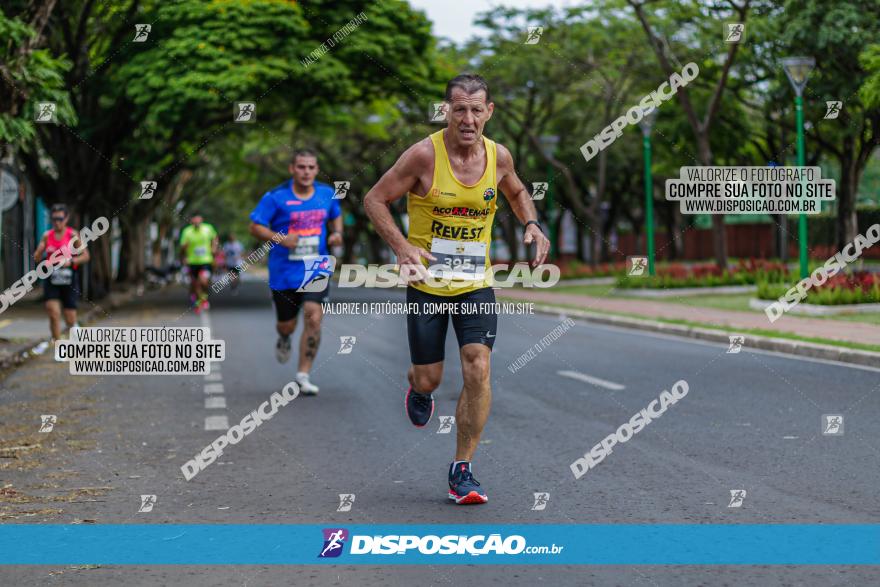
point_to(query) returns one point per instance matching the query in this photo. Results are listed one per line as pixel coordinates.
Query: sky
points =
(454, 18)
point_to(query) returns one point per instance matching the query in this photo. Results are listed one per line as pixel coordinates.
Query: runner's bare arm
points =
(334, 239)
(521, 204)
(38, 254)
(83, 256)
(264, 233)
(397, 181)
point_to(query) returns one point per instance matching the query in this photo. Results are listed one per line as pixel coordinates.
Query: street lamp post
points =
(548, 144)
(647, 123)
(798, 70)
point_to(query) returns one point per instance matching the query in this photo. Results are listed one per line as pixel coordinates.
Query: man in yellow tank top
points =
(451, 180)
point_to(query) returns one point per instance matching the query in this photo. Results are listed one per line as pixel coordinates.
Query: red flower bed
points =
(863, 280)
(858, 287)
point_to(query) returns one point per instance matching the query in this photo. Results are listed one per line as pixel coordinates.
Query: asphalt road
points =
(751, 421)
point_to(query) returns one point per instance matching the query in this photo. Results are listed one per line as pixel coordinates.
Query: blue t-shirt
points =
(283, 211)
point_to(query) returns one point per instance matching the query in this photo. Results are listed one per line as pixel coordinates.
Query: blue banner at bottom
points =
(607, 544)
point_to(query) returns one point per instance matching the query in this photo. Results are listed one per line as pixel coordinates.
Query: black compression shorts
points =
(474, 319)
(68, 295)
(289, 301)
(196, 270)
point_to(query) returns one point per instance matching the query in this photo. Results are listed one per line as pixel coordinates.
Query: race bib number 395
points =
(458, 259)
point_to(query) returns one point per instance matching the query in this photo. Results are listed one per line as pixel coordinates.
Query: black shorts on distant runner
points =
(289, 301)
(68, 295)
(474, 319)
(196, 270)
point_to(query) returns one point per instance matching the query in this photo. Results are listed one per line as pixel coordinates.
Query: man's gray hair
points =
(470, 83)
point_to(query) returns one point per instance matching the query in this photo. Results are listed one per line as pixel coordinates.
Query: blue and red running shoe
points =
(463, 488)
(419, 407)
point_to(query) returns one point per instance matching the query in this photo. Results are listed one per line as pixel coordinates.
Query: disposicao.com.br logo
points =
(479, 544)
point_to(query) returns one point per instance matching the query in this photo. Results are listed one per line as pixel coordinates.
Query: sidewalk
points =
(649, 312)
(25, 325)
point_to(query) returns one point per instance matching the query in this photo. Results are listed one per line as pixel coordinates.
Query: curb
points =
(111, 302)
(679, 292)
(781, 345)
(803, 309)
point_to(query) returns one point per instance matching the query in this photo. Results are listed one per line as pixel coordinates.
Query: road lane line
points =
(5, 323)
(591, 380)
(216, 423)
(215, 402)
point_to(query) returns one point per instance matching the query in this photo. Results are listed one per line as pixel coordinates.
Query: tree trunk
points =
(161, 234)
(580, 241)
(847, 222)
(669, 223)
(614, 212)
(557, 230)
(141, 247)
(719, 236)
(595, 221)
(781, 237)
(100, 268)
(124, 252)
(131, 254)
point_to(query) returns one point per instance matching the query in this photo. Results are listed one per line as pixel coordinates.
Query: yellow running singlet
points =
(453, 221)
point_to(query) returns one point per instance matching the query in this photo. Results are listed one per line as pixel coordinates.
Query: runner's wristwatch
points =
(535, 222)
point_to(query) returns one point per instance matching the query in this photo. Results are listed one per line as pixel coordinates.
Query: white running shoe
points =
(306, 387)
(282, 349)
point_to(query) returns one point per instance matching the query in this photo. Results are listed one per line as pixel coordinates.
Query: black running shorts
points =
(289, 301)
(196, 270)
(68, 295)
(474, 318)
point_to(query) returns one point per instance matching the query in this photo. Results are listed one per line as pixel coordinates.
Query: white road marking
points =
(591, 380)
(215, 402)
(216, 423)
(213, 388)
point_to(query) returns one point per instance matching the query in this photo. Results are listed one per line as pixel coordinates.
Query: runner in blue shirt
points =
(300, 210)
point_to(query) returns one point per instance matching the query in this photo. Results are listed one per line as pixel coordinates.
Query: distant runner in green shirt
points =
(198, 243)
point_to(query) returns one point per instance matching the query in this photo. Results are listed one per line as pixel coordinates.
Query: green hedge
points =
(833, 296)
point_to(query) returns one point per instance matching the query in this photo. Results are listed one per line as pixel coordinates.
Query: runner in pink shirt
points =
(61, 289)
